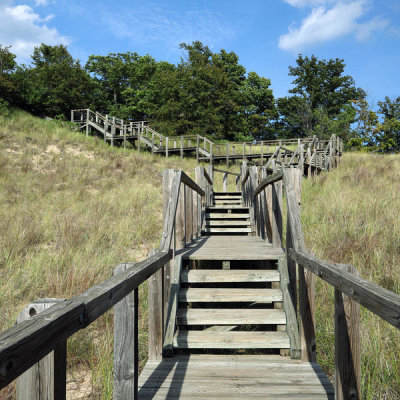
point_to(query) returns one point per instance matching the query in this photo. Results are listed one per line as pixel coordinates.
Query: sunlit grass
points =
(352, 216)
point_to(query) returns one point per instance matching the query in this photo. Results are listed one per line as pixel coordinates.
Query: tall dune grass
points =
(352, 215)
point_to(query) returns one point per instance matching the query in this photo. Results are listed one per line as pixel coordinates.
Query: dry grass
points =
(352, 216)
(72, 208)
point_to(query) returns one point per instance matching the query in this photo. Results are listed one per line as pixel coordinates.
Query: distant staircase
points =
(227, 215)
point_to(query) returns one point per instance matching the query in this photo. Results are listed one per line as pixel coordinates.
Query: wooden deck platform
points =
(233, 377)
(227, 248)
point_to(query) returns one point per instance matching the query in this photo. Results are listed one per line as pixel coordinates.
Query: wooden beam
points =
(380, 301)
(126, 344)
(268, 181)
(190, 183)
(347, 345)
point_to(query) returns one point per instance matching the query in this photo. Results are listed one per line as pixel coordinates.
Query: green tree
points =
(7, 87)
(388, 131)
(55, 83)
(320, 89)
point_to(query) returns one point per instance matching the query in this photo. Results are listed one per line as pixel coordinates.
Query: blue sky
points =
(267, 35)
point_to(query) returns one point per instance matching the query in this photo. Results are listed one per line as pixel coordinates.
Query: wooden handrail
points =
(226, 172)
(267, 181)
(246, 176)
(25, 344)
(382, 302)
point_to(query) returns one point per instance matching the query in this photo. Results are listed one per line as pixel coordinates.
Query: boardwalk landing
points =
(233, 377)
(231, 339)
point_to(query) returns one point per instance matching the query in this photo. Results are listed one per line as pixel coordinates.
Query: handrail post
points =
(87, 122)
(276, 202)
(225, 182)
(197, 148)
(126, 340)
(46, 379)
(347, 345)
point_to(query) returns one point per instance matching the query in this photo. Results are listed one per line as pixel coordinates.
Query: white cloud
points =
(307, 3)
(41, 2)
(364, 31)
(324, 25)
(23, 28)
(169, 27)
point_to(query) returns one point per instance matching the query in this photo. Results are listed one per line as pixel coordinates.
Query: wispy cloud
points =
(23, 28)
(168, 27)
(323, 25)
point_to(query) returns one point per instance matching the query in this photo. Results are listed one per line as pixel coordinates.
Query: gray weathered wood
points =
(47, 378)
(172, 308)
(347, 345)
(380, 301)
(193, 185)
(268, 181)
(126, 344)
(289, 303)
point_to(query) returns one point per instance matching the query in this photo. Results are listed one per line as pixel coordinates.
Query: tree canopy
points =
(208, 93)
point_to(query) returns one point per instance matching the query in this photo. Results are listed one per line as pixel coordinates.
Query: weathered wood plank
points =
(126, 369)
(231, 316)
(229, 295)
(290, 311)
(347, 345)
(231, 340)
(172, 308)
(380, 301)
(268, 181)
(233, 275)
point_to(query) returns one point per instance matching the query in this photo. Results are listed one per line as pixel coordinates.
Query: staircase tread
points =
(194, 295)
(231, 340)
(240, 230)
(227, 215)
(232, 275)
(226, 222)
(230, 316)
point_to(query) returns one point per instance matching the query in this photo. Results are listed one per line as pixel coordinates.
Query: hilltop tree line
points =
(206, 93)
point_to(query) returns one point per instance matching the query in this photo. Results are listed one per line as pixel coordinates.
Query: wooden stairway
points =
(230, 305)
(227, 215)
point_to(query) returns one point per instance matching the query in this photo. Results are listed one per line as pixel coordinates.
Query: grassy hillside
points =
(73, 207)
(353, 216)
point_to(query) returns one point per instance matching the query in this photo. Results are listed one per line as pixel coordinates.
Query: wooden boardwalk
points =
(231, 313)
(311, 152)
(239, 377)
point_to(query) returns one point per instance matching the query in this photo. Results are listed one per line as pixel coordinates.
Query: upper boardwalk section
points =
(309, 152)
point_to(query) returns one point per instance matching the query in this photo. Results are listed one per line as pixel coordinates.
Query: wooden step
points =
(227, 230)
(231, 340)
(228, 197)
(230, 316)
(225, 207)
(227, 222)
(227, 215)
(228, 276)
(227, 193)
(238, 295)
(227, 201)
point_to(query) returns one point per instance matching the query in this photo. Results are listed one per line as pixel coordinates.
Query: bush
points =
(4, 108)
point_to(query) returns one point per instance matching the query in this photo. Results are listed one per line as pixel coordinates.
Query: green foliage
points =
(319, 100)
(4, 108)
(55, 83)
(388, 132)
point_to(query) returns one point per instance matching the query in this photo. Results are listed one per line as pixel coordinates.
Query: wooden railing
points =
(298, 275)
(306, 153)
(28, 342)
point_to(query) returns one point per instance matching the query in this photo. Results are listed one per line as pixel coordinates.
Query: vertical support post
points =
(211, 154)
(347, 345)
(156, 315)
(225, 182)
(87, 122)
(47, 379)
(227, 155)
(238, 183)
(181, 147)
(262, 153)
(276, 214)
(210, 172)
(189, 214)
(72, 115)
(126, 339)
(166, 147)
(197, 148)
(309, 162)
(307, 314)
(244, 150)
